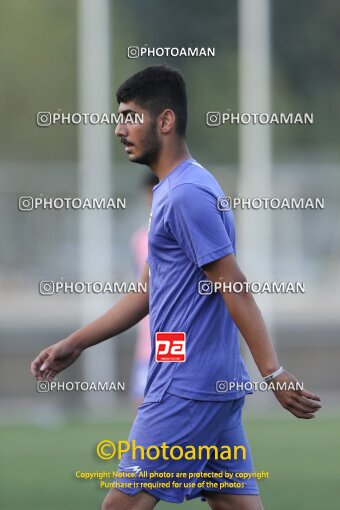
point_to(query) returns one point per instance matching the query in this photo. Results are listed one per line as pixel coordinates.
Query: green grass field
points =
(38, 464)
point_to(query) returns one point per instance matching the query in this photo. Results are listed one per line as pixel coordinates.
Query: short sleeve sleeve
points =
(193, 219)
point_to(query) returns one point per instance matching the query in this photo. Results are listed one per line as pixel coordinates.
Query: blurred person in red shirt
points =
(139, 248)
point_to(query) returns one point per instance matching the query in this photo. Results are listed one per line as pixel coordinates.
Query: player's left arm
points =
(247, 317)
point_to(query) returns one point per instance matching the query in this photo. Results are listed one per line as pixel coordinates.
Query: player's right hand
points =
(54, 359)
(301, 403)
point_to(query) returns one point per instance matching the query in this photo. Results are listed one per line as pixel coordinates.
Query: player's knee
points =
(107, 503)
(114, 500)
(233, 501)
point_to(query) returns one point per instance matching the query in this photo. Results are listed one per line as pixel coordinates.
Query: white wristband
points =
(274, 374)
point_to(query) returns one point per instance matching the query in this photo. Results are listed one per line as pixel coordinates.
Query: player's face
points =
(141, 140)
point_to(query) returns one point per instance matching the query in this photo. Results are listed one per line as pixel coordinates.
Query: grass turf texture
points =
(37, 464)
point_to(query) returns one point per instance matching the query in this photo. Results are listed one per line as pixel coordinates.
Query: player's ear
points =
(167, 121)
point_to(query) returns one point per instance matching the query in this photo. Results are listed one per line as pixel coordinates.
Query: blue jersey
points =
(187, 231)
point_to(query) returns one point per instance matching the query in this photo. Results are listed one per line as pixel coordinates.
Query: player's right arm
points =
(248, 319)
(122, 316)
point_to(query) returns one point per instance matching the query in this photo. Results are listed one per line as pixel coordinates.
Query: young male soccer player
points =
(190, 240)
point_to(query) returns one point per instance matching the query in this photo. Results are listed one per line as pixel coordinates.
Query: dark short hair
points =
(155, 89)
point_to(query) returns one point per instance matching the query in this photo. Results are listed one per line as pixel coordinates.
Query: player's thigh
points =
(218, 501)
(117, 500)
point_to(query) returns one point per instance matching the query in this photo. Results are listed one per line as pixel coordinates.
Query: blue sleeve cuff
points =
(215, 255)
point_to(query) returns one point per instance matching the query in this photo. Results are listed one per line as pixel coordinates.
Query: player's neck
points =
(169, 158)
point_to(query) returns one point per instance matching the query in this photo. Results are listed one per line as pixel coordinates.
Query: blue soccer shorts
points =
(180, 422)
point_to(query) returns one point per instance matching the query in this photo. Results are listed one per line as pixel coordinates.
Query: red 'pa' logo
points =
(170, 346)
